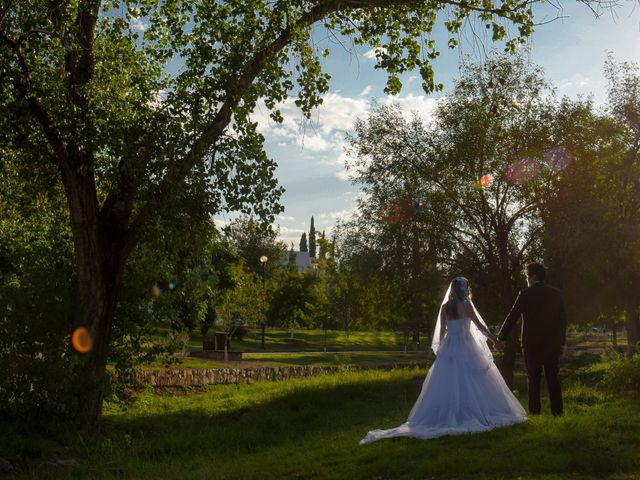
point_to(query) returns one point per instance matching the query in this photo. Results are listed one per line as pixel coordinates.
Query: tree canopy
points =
(87, 92)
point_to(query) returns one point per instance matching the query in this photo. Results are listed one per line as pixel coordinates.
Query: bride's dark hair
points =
(458, 286)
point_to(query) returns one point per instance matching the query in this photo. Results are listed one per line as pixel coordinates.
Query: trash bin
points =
(221, 340)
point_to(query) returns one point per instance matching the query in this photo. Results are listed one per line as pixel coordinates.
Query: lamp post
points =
(263, 261)
(325, 325)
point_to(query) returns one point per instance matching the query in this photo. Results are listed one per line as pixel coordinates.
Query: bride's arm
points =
(443, 323)
(474, 318)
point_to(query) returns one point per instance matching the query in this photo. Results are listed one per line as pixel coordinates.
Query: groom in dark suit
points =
(544, 328)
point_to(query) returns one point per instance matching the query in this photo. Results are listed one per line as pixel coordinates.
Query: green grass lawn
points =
(360, 349)
(595, 339)
(279, 340)
(310, 428)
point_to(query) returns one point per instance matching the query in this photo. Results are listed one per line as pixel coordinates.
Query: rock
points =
(6, 466)
(45, 468)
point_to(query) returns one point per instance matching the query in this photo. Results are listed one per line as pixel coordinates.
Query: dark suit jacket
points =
(544, 323)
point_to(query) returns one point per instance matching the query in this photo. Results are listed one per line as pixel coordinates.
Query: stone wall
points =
(177, 377)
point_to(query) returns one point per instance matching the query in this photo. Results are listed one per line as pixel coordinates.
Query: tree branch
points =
(35, 104)
(253, 67)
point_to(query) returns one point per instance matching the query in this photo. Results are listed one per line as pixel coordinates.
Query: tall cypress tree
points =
(303, 243)
(291, 264)
(323, 244)
(312, 240)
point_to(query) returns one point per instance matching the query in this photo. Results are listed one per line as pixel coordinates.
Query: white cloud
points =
(289, 128)
(286, 217)
(342, 175)
(575, 82)
(371, 54)
(315, 143)
(220, 223)
(336, 215)
(366, 91)
(289, 235)
(139, 25)
(322, 136)
(339, 160)
(423, 106)
(338, 113)
(332, 217)
(326, 129)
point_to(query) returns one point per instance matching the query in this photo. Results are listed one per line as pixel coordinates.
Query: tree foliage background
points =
(115, 161)
(505, 174)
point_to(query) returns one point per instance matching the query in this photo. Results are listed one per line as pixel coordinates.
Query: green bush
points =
(36, 321)
(621, 374)
(239, 333)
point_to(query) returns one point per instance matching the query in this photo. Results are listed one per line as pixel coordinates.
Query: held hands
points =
(497, 344)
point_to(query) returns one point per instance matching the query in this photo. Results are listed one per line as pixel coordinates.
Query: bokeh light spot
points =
(422, 203)
(392, 216)
(557, 159)
(522, 171)
(81, 340)
(156, 291)
(401, 212)
(485, 181)
(172, 285)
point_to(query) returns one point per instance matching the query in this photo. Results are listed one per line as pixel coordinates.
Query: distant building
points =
(303, 260)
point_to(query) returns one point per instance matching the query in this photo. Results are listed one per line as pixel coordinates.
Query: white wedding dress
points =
(463, 392)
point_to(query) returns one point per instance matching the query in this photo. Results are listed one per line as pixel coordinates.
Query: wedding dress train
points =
(463, 392)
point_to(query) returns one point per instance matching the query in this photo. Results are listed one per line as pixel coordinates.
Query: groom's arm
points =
(512, 318)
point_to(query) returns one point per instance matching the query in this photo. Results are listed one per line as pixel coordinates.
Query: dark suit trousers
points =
(536, 359)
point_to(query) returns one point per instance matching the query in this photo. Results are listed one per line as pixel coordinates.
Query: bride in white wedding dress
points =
(464, 392)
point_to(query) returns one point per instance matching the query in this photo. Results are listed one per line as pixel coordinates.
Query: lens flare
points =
(486, 181)
(422, 203)
(156, 290)
(81, 340)
(404, 210)
(392, 215)
(172, 285)
(522, 171)
(557, 159)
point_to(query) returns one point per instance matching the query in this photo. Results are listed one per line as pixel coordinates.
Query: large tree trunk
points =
(98, 296)
(633, 325)
(100, 253)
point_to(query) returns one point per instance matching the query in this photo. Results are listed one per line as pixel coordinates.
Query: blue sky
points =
(310, 155)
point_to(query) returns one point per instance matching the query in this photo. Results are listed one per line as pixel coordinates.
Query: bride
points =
(464, 392)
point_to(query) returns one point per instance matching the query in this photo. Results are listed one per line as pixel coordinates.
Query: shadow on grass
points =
(311, 428)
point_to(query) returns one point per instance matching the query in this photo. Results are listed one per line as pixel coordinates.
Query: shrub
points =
(621, 374)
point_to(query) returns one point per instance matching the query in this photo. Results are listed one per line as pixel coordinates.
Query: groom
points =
(544, 328)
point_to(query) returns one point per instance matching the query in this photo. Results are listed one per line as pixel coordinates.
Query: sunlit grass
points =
(310, 428)
(360, 349)
(280, 340)
(313, 340)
